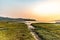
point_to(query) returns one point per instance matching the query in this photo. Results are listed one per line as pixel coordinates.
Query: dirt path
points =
(31, 28)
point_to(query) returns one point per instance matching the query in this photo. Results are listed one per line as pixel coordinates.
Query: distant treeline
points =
(15, 19)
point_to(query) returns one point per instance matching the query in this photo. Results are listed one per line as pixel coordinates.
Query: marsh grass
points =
(47, 31)
(14, 31)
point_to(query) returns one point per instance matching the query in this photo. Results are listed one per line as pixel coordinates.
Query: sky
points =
(41, 10)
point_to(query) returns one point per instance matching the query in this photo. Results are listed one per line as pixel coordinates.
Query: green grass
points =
(14, 31)
(47, 31)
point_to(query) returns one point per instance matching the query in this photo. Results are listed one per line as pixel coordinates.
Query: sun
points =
(47, 8)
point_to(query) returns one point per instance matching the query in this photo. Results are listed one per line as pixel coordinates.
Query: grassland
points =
(14, 31)
(47, 31)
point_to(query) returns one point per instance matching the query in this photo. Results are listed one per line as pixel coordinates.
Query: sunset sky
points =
(42, 10)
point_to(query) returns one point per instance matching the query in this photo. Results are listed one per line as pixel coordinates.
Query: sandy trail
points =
(31, 28)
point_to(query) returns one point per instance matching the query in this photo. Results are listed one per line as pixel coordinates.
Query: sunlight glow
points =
(47, 8)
